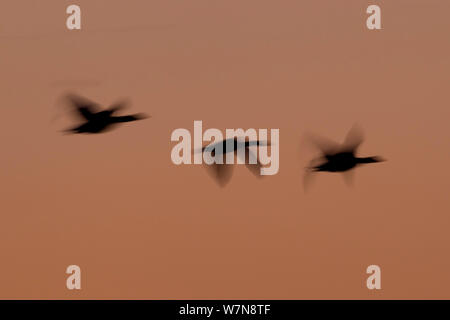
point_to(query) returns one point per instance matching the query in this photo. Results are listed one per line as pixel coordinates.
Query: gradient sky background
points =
(140, 227)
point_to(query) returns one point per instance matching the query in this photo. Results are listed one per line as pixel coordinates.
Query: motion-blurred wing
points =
(325, 146)
(119, 106)
(308, 178)
(349, 177)
(353, 139)
(254, 168)
(316, 162)
(221, 173)
(85, 108)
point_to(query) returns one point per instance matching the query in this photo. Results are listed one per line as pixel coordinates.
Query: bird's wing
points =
(316, 162)
(119, 106)
(254, 168)
(325, 146)
(85, 108)
(220, 172)
(349, 177)
(308, 178)
(353, 139)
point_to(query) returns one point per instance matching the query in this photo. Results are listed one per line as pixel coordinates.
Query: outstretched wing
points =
(353, 139)
(308, 178)
(325, 146)
(220, 172)
(119, 106)
(349, 177)
(254, 168)
(84, 108)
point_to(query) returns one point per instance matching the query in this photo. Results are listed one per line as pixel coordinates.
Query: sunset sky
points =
(141, 227)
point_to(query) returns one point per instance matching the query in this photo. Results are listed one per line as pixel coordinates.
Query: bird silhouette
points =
(95, 120)
(338, 157)
(222, 172)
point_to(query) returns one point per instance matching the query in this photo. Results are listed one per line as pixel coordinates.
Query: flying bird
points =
(338, 157)
(96, 120)
(222, 172)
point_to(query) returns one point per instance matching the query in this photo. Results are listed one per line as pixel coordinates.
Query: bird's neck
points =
(366, 160)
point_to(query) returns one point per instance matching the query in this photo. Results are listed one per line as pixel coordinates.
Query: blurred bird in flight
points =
(222, 172)
(95, 120)
(338, 157)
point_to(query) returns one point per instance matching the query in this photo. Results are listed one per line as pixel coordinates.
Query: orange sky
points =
(140, 227)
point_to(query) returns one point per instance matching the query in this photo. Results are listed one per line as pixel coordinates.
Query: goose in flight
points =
(95, 120)
(338, 157)
(222, 172)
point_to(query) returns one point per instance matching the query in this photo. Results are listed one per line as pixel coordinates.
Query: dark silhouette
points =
(222, 172)
(338, 158)
(96, 121)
